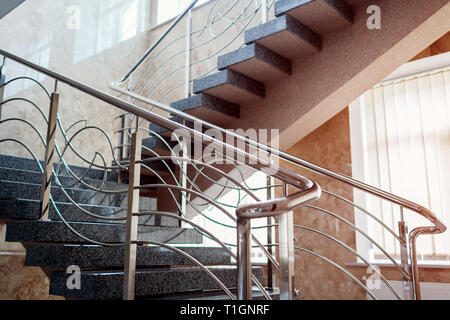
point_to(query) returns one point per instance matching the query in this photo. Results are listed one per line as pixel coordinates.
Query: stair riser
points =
(31, 209)
(57, 232)
(31, 165)
(256, 62)
(34, 177)
(230, 86)
(13, 190)
(113, 257)
(147, 284)
(336, 13)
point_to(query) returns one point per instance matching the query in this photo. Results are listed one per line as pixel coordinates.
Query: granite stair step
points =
(208, 108)
(56, 232)
(97, 257)
(109, 285)
(35, 177)
(31, 165)
(321, 16)
(286, 37)
(21, 190)
(218, 295)
(256, 62)
(230, 86)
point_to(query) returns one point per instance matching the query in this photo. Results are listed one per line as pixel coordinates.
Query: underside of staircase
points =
(298, 70)
(293, 73)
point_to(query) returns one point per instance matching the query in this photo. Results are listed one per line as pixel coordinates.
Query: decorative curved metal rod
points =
(207, 234)
(340, 268)
(365, 235)
(150, 50)
(347, 247)
(26, 78)
(297, 161)
(27, 101)
(172, 73)
(402, 242)
(193, 162)
(270, 208)
(200, 195)
(195, 261)
(51, 198)
(199, 32)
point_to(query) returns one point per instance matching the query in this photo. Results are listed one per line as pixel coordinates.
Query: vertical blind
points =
(405, 149)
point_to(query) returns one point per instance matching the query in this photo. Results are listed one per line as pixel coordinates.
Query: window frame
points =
(358, 138)
(154, 24)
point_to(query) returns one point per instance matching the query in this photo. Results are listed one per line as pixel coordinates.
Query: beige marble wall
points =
(18, 282)
(38, 30)
(327, 146)
(96, 54)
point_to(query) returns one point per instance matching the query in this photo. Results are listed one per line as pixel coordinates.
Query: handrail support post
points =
(132, 219)
(403, 233)
(244, 269)
(270, 275)
(2, 89)
(187, 72)
(264, 11)
(286, 252)
(49, 157)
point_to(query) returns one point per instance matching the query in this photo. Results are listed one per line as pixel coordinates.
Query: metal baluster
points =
(50, 154)
(183, 172)
(270, 275)
(286, 252)
(244, 279)
(403, 232)
(187, 74)
(264, 11)
(2, 81)
(132, 220)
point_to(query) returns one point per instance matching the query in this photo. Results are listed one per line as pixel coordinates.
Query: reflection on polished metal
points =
(244, 282)
(132, 220)
(403, 232)
(286, 252)
(276, 207)
(49, 155)
(2, 83)
(270, 275)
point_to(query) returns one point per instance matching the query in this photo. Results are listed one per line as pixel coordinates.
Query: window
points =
(170, 9)
(401, 143)
(214, 220)
(108, 23)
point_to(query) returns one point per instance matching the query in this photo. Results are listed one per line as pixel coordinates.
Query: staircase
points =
(125, 224)
(52, 247)
(266, 57)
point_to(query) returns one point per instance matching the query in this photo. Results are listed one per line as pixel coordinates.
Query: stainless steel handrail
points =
(300, 162)
(156, 43)
(245, 213)
(282, 174)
